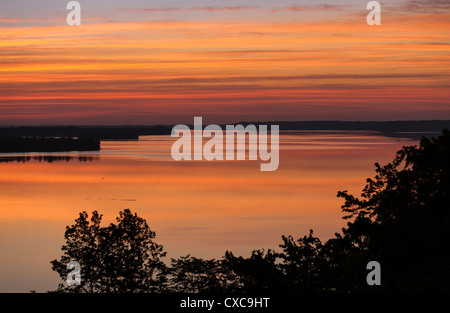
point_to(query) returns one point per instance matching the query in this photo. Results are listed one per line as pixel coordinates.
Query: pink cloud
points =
(298, 8)
(194, 9)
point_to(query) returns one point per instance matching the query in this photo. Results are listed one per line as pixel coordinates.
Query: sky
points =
(164, 62)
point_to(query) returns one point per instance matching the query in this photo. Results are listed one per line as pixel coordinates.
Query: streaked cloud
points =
(308, 8)
(269, 66)
(427, 6)
(193, 9)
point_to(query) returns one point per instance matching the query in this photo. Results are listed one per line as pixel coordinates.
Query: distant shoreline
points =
(133, 131)
(87, 138)
(94, 132)
(383, 126)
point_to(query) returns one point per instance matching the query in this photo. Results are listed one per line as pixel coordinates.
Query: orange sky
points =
(167, 65)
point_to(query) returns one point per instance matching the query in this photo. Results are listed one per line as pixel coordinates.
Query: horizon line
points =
(233, 123)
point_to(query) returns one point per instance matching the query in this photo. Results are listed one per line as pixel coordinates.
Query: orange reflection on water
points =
(197, 207)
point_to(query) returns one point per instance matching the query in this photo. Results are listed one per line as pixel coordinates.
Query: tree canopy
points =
(120, 257)
(402, 218)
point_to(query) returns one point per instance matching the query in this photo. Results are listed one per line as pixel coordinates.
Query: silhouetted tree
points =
(402, 219)
(190, 274)
(259, 272)
(303, 263)
(121, 257)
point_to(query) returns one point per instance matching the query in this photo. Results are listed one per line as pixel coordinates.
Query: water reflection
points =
(197, 207)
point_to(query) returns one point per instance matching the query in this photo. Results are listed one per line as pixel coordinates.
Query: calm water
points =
(198, 207)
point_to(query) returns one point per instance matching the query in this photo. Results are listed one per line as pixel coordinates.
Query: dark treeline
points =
(42, 144)
(408, 129)
(401, 220)
(385, 126)
(69, 138)
(47, 158)
(391, 128)
(97, 132)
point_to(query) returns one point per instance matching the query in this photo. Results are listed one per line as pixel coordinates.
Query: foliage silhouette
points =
(120, 257)
(401, 220)
(259, 272)
(190, 274)
(303, 262)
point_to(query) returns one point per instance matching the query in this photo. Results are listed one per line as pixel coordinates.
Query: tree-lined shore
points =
(22, 139)
(43, 144)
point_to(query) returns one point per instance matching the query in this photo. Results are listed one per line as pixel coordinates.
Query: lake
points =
(200, 208)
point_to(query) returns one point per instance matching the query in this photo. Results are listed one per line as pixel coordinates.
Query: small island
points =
(18, 139)
(47, 144)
